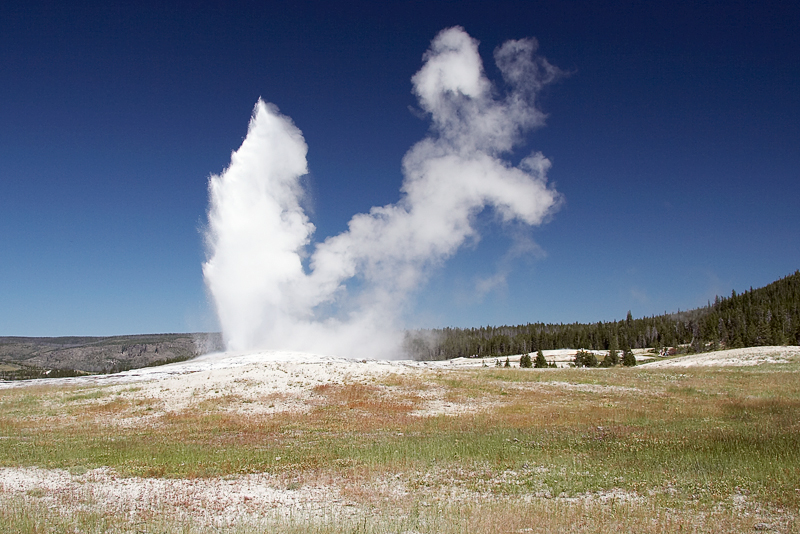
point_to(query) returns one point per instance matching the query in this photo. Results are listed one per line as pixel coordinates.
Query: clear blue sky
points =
(675, 141)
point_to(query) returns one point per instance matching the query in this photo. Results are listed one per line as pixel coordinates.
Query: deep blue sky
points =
(675, 141)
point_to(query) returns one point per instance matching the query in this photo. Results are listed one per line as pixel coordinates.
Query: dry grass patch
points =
(372, 399)
(219, 402)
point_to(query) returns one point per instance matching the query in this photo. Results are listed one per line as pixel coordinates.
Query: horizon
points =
(672, 138)
(679, 311)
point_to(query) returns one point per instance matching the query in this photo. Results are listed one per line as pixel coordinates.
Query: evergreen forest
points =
(765, 316)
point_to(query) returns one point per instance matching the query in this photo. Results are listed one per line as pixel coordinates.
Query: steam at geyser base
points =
(258, 234)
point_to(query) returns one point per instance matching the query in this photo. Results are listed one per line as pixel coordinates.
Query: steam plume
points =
(258, 233)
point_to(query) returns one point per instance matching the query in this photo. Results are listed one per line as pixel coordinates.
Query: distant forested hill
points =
(38, 357)
(766, 316)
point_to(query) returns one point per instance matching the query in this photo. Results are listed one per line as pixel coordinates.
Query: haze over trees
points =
(765, 316)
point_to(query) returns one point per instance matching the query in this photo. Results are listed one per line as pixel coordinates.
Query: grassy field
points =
(483, 450)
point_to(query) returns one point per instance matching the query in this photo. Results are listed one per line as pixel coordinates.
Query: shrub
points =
(628, 359)
(611, 360)
(585, 359)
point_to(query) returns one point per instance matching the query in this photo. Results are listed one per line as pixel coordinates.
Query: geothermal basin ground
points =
(287, 442)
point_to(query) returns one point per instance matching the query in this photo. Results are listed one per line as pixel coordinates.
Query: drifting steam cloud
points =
(259, 235)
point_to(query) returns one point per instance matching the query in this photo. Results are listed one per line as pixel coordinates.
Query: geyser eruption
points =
(258, 233)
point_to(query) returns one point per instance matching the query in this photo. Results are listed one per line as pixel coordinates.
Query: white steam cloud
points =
(259, 235)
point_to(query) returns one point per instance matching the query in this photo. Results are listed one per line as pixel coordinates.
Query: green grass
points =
(684, 440)
(542, 516)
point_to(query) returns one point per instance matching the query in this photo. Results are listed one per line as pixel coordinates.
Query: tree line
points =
(765, 316)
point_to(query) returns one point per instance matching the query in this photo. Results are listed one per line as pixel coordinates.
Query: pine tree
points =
(525, 361)
(585, 359)
(613, 358)
(628, 359)
(540, 360)
(508, 363)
